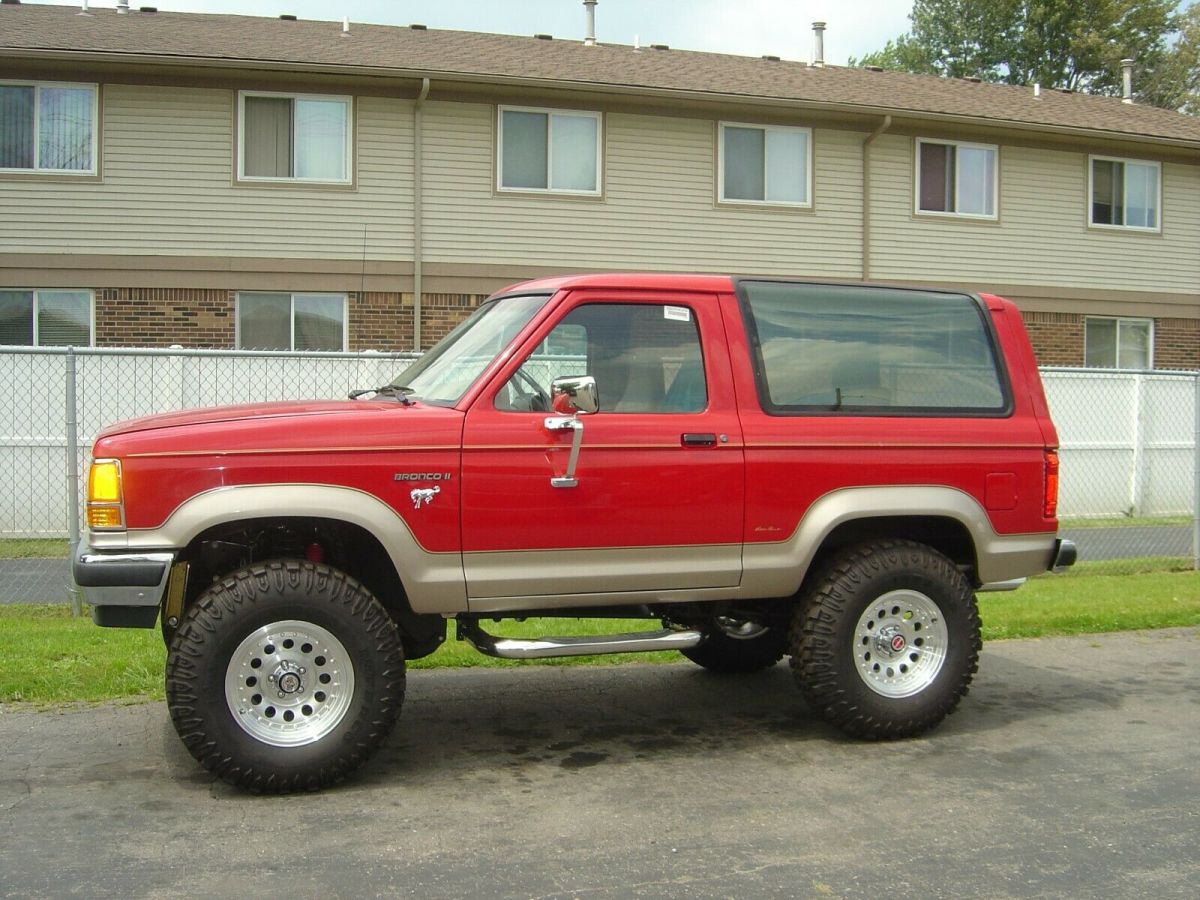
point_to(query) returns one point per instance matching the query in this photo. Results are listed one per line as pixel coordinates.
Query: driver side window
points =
(646, 358)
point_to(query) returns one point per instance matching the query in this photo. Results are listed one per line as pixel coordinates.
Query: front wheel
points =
(887, 641)
(285, 676)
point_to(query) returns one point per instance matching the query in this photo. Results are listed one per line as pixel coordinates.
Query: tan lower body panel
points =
(543, 577)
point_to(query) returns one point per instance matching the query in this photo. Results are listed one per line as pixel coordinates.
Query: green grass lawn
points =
(28, 548)
(47, 657)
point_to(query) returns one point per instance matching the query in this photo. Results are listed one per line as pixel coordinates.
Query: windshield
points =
(443, 374)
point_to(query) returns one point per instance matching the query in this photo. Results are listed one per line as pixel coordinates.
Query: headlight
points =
(105, 498)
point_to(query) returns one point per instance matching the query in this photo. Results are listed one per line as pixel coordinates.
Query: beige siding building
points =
(225, 181)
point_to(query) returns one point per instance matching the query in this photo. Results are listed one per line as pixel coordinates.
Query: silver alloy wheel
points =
(289, 683)
(740, 629)
(900, 643)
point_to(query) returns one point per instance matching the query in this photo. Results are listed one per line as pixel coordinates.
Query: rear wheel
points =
(887, 641)
(734, 646)
(285, 676)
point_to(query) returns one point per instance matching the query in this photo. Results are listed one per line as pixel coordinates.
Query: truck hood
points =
(252, 411)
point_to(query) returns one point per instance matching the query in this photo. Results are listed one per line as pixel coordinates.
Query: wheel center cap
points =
(891, 640)
(287, 678)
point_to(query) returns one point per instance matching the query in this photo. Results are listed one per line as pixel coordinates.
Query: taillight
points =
(1050, 506)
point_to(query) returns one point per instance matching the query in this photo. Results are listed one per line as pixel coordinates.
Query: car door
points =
(657, 503)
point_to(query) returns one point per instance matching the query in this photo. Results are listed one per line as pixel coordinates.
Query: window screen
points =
(291, 321)
(867, 350)
(47, 318)
(304, 138)
(549, 151)
(48, 128)
(767, 164)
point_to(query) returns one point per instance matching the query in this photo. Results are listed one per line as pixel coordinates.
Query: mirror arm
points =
(567, 423)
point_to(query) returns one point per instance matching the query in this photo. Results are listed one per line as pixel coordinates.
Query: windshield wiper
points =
(388, 390)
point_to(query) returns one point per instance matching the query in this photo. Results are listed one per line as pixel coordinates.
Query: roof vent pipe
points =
(818, 44)
(345, 25)
(590, 6)
(84, 10)
(1127, 81)
(122, 7)
(1037, 91)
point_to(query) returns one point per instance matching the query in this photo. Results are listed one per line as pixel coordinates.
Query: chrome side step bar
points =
(541, 648)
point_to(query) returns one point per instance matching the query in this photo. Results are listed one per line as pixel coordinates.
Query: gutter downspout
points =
(866, 201)
(418, 209)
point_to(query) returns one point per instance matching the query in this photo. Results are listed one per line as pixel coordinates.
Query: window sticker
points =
(677, 313)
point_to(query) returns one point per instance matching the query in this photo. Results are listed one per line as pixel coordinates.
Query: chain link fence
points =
(1128, 487)
(1129, 452)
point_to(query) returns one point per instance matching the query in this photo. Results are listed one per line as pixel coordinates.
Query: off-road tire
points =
(219, 624)
(727, 655)
(830, 640)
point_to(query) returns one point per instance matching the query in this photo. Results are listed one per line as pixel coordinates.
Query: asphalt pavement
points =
(1069, 771)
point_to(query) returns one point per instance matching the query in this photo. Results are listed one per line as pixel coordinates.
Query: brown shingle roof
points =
(247, 41)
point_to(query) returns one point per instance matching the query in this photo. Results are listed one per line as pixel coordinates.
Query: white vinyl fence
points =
(1128, 438)
(1128, 442)
(38, 450)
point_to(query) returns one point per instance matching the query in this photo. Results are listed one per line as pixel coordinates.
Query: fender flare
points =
(434, 582)
(777, 569)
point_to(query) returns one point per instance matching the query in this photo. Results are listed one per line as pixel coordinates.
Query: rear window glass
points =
(869, 350)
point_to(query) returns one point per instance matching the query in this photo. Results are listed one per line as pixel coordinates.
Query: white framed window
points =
(48, 127)
(1117, 343)
(764, 164)
(287, 321)
(551, 150)
(1124, 193)
(295, 137)
(956, 178)
(43, 318)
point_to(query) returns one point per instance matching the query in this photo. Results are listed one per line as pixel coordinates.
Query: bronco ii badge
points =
(423, 496)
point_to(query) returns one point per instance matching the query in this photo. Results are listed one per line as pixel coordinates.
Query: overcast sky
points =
(749, 27)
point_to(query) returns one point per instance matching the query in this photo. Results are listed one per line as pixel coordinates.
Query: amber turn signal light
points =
(105, 496)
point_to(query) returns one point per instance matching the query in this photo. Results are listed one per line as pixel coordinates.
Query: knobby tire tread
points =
(193, 639)
(820, 654)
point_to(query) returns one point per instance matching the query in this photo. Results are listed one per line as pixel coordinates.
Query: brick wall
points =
(160, 317)
(384, 321)
(381, 321)
(1057, 338)
(1177, 343)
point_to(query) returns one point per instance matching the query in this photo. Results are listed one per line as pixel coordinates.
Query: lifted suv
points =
(760, 467)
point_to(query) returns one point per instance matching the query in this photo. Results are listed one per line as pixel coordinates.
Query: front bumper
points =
(124, 589)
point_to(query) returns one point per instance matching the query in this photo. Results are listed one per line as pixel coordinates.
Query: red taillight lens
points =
(1050, 508)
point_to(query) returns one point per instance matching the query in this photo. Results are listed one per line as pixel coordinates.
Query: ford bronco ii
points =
(757, 467)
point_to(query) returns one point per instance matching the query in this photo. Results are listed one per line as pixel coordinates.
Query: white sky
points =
(748, 27)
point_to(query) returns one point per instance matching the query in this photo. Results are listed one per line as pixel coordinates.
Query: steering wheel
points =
(534, 399)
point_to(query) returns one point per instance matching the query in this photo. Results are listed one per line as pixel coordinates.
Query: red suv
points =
(760, 467)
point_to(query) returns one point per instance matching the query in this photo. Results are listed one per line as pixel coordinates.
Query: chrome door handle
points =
(573, 424)
(697, 439)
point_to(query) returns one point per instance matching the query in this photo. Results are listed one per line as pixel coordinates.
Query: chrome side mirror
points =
(574, 394)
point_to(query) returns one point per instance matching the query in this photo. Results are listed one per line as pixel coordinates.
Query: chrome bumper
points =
(123, 589)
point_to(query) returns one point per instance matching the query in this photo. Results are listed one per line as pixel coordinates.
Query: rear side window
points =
(862, 350)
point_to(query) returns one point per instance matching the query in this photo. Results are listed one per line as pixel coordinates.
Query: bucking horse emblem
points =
(423, 496)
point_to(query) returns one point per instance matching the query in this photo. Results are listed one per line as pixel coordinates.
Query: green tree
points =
(1175, 82)
(1075, 44)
